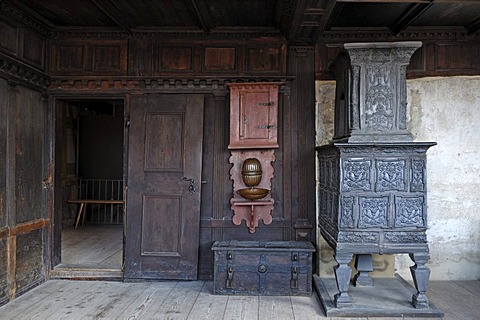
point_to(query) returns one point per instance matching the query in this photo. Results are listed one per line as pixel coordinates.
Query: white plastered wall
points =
(445, 110)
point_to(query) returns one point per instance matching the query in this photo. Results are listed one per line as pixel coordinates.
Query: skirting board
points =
(389, 297)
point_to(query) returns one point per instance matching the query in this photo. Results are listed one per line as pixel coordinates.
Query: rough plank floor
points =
(93, 245)
(66, 299)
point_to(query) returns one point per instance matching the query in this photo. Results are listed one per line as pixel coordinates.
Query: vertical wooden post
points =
(10, 190)
(300, 62)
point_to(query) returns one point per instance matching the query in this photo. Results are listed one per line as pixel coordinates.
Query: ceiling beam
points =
(295, 23)
(309, 20)
(332, 10)
(407, 17)
(473, 26)
(115, 14)
(200, 11)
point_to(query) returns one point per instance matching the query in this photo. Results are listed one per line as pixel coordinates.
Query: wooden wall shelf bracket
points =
(252, 212)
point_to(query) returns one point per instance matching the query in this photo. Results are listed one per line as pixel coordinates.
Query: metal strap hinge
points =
(266, 126)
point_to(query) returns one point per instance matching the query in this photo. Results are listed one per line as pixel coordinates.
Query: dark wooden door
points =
(164, 186)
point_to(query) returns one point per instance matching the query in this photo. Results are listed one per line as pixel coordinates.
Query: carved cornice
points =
(157, 84)
(302, 51)
(386, 35)
(18, 72)
(219, 33)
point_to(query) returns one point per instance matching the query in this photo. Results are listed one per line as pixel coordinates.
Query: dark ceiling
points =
(299, 21)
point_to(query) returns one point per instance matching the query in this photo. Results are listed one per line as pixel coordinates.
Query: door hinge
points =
(266, 126)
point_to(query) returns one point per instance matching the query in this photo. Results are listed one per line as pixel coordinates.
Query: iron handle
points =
(228, 284)
(192, 188)
(294, 278)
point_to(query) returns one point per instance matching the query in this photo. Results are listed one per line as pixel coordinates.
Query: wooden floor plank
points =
(180, 301)
(57, 298)
(306, 308)
(101, 245)
(208, 306)
(35, 298)
(471, 286)
(131, 293)
(242, 307)
(82, 302)
(275, 307)
(146, 303)
(66, 299)
(106, 299)
(454, 300)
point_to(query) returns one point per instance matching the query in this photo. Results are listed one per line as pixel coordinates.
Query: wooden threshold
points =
(85, 272)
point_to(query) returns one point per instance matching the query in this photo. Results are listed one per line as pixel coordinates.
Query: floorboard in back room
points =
(93, 245)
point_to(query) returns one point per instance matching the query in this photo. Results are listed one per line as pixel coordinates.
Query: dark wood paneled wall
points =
(23, 213)
(150, 57)
(21, 43)
(434, 58)
(24, 221)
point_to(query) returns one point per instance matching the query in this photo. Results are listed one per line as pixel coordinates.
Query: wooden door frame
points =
(56, 118)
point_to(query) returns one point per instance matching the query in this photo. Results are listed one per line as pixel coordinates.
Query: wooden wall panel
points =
(174, 59)
(418, 61)
(29, 261)
(70, 58)
(107, 58)
(456, 56)
(264, 59)
(220, 59)
(434, 58)
(22, 199)
(8, 38)
(140, 57)
(22, 44)
(33, 50)
(29, 166)
(77, 58)
(149, 57)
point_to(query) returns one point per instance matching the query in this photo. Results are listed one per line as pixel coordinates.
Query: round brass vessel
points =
(251, 172)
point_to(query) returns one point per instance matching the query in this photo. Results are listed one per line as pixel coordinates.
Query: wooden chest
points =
(263, 268)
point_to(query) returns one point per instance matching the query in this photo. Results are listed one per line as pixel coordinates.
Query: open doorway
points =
(92, 192)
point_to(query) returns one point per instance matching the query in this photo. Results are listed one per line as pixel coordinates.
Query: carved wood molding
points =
(143, 84)
(18, 72)
(302, 51)
(386, 35)
(170, 33)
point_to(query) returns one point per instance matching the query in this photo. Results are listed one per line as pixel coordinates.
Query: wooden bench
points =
(83, 204)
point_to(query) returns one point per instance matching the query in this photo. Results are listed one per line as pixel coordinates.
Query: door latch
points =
(47, 182)
(192, 188)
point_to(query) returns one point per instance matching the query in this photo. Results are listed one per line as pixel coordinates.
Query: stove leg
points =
(343, 273)
(364, 265)
(420, 275)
